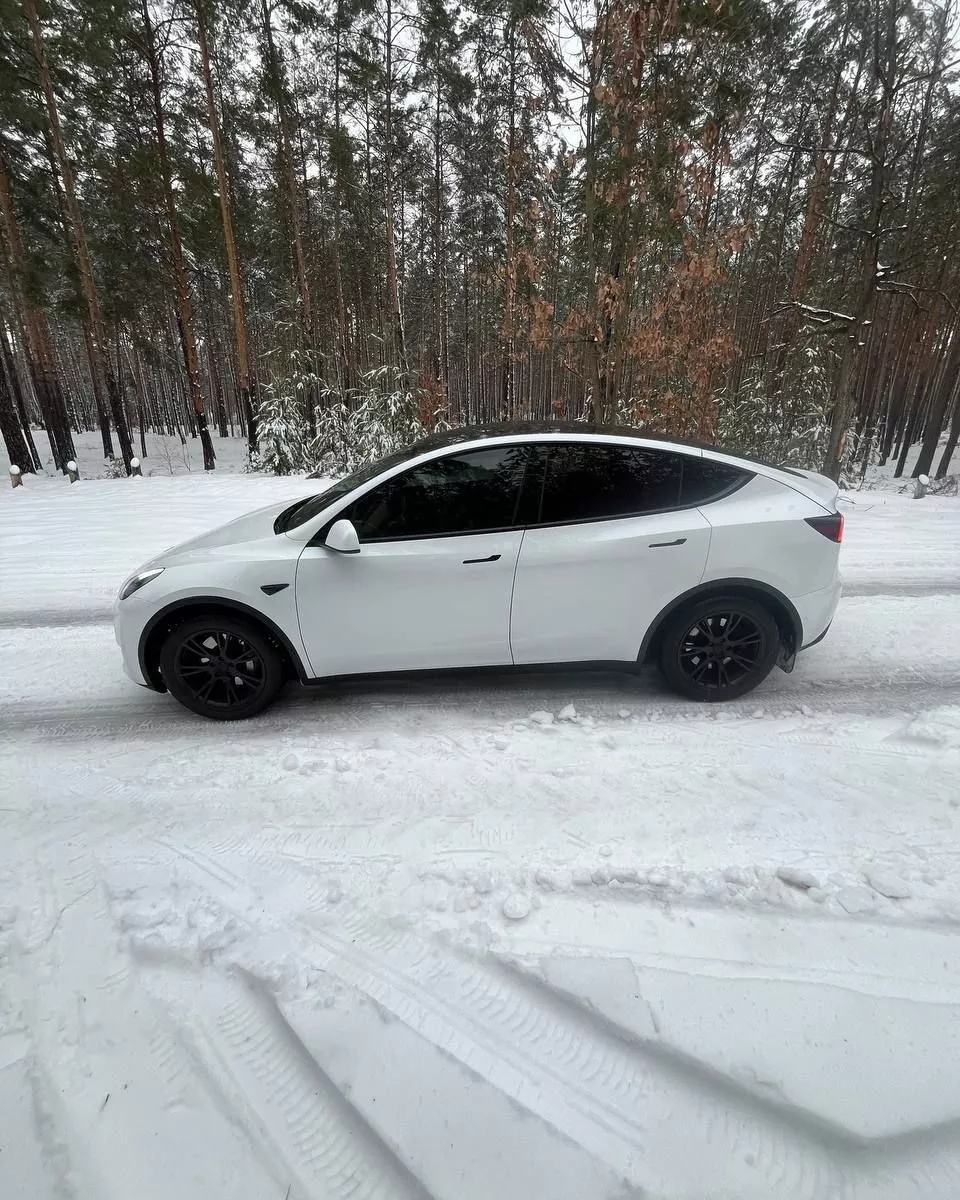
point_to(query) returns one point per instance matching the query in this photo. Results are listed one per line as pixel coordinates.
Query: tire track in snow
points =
(268, 1080)
(578, 1071)
(59, 618)
(597, 1091)
(801, 1153)
(54, 618)
(896, 587)
(591, 1086)
(159, 716)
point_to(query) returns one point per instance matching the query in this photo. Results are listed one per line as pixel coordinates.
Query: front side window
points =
(590, 482)
(460, 493)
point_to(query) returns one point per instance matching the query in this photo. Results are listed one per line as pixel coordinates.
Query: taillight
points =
(831, 526)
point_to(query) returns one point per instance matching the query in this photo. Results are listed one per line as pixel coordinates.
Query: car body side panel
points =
(408, 605)
(760, 532)
(228, 572)
(588, 591)
(817, 610)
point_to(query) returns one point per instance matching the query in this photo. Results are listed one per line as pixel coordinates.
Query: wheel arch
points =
(170, 616)
(779, 606)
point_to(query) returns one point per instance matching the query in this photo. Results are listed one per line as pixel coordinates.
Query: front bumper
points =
(127, 627)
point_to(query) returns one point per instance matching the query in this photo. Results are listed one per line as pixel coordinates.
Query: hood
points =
(252, 527)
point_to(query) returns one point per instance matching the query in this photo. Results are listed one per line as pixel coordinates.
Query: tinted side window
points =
(588, 482)
(705, 480)
(461, 493)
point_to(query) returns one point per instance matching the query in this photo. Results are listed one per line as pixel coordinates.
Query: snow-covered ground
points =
(166, 455)
(560, 937)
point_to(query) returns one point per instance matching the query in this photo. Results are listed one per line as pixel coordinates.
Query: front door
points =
(432, 584)
(611, 548)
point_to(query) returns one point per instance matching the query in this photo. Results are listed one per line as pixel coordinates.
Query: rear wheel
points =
(719, 649)
(220, 668)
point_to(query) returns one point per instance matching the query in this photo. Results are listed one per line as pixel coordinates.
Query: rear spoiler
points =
(817, 487)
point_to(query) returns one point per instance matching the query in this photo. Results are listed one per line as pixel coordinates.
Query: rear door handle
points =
(661, 545)
(491, 558)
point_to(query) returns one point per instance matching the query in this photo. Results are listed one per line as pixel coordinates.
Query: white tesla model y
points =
(496, 547)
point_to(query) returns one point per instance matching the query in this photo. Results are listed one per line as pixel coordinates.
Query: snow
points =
(890, 885)
(166, 455)
(798, 878)
(528, 935)
(516, 907)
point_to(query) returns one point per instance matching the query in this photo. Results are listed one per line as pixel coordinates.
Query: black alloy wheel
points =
(719, 649)
(220, 668)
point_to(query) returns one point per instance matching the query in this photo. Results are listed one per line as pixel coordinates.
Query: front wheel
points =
(220, 668)
(719, 649)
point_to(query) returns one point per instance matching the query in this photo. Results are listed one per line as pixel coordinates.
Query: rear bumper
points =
(816, 611)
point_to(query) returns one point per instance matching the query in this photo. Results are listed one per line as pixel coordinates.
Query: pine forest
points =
(331, 227)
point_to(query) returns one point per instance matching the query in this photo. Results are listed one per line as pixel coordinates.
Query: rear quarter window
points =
(705, 479)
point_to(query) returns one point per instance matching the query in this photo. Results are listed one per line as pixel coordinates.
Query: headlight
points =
(136, 582)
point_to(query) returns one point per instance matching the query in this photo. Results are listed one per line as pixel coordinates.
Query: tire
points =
(193, 674)
(701, 660)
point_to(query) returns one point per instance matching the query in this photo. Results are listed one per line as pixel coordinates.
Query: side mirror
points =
(342, 538)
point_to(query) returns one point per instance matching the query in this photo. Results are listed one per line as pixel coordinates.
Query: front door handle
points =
(661, 545)
(491, 558)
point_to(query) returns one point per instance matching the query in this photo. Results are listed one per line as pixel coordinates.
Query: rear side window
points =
(590, 482)
(460, 493)
(704, 480)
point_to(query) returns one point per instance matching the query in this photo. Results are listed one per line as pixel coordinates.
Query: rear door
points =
(612, 546)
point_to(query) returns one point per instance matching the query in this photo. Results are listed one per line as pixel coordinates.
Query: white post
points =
(72, 471)
(16, 477)
(920, 487)
(135, 466)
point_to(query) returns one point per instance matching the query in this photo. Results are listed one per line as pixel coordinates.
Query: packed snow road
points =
(557, 936)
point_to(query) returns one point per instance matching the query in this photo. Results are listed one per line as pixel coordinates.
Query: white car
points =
(496, 547)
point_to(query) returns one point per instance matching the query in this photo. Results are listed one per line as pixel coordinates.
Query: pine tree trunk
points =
(288, 185)
(100, 359)
(17, 450)
(508, 330)
(103, 418)
(946, 386)
(41, 360)
(9, 367)
(944, 464)
(441, 352)
(245, 388)
(185, 323)
(394, 322)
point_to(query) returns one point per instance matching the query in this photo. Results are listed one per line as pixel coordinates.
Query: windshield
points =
(305, 510)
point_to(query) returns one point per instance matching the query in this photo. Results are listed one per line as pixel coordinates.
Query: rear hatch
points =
(817, 487)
